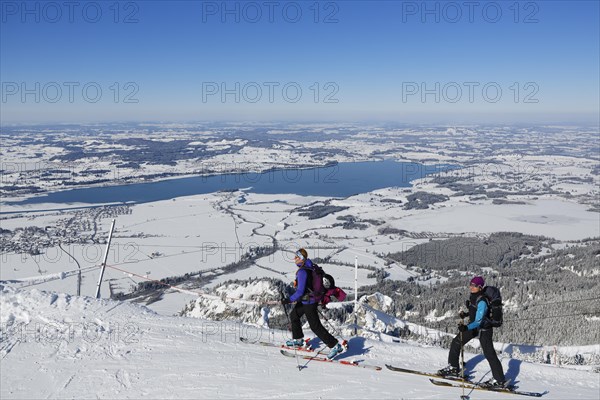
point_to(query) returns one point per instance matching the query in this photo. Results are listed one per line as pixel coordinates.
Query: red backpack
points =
(331, 290)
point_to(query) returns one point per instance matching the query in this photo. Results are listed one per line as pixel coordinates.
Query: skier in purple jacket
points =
(306, 304)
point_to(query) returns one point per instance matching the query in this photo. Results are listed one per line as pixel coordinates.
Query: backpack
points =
(321, 286)
(336, 292)
(331, 290)
(492, 297)
(314, 283)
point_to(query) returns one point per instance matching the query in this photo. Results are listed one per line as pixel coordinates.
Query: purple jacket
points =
(301, 279)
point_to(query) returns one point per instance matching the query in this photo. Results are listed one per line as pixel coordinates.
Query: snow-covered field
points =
(207, 232)
(60, 346)
(556, 218)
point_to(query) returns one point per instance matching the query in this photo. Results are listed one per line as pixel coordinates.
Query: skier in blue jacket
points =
(478, 311)
(306, 304)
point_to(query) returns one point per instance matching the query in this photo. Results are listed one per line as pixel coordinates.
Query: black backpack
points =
(493, 298)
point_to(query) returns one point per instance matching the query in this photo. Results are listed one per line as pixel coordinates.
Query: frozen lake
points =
(337, 180)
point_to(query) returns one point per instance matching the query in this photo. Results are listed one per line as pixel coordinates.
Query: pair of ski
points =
(458, 382)
(314, 356)
(309, 357)
(474, 386)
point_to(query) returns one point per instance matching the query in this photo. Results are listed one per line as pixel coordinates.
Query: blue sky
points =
(406, 61)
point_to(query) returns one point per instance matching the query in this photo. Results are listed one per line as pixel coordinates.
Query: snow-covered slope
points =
(61, 346)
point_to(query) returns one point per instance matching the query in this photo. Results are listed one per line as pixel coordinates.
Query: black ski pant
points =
(312, 315)
(485, 338)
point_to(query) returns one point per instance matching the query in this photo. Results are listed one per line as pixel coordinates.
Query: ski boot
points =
(494, 384)
(337, 349)
(449, 371)
(295, 343)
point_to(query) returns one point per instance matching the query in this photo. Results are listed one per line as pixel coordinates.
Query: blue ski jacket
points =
(482, 309)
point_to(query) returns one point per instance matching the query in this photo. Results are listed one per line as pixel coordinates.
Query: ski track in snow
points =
(176, 357)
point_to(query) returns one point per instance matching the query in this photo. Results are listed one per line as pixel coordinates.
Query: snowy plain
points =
(207, 232)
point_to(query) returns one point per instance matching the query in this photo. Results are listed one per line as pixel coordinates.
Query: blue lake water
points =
(339, 180)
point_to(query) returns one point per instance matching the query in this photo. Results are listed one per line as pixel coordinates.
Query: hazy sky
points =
(464, 61)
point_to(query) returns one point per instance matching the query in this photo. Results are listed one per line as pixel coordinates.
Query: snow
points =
(60, 346)
(559, 219)
(208, 232)
(433, 317)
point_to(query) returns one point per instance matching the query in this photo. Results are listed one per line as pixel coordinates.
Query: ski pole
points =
(462, 363)
(290, 325)
(282, 296)
(462, 356)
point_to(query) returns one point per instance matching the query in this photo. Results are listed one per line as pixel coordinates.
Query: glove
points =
(285, 301)
(463, 315)
(462, 328)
